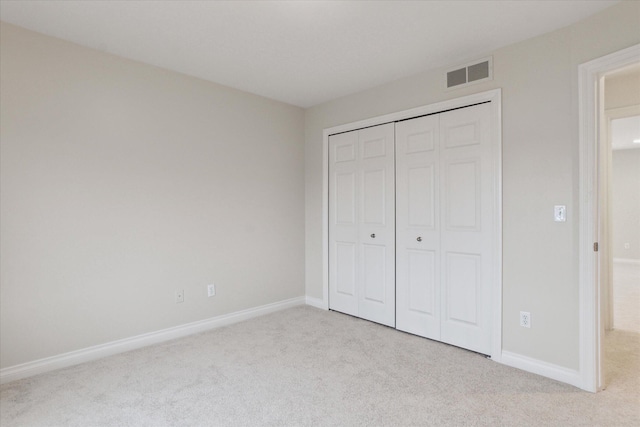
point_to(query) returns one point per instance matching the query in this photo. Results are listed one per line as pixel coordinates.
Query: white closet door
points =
(343, 222)
(445, 219)
(467, 221)
(362, 224)
(377, 228)
(418, 231)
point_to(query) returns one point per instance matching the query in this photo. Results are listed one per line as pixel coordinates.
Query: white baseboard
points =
(316, 302)
(627, 261)
(535, 366)
(40, 366)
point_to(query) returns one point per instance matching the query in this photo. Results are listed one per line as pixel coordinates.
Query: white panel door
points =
(445, 227)
(377, 228)
(466, 227)
(344, 178)
(417, 227)
(362, 224)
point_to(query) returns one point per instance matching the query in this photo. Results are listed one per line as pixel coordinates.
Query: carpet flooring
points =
(309, 367)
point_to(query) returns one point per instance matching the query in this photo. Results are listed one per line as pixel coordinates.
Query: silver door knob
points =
(419, 239)
(373, 236)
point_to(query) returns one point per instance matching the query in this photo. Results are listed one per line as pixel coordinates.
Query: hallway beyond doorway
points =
(626, 296)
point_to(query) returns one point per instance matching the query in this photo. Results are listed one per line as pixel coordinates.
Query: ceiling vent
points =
(473, 72)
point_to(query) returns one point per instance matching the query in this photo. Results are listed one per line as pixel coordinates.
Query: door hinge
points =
(595, 247)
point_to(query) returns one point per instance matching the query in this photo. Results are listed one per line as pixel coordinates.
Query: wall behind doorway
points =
(622, 91)
(626, 204)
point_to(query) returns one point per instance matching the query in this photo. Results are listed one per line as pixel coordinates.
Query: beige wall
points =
(539, 80)
(122, 183)
(622, 90)
(625, 203)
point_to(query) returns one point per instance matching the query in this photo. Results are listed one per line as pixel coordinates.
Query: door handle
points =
(419, 239)
(373, 235)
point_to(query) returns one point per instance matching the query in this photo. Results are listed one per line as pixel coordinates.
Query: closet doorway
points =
(439, 220)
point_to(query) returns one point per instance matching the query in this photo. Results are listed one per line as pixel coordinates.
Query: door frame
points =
(495, 97)
(591, 138)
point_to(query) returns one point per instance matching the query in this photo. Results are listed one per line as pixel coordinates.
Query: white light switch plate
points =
(560, 213)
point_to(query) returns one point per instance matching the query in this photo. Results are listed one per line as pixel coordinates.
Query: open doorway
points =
(594, 252)
(620, 226)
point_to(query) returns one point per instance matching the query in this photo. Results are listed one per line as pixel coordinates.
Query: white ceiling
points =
(300, 52)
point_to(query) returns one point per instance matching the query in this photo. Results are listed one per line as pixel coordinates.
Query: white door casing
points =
(362, 223)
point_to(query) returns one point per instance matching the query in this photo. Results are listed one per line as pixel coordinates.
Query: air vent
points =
(473, 72)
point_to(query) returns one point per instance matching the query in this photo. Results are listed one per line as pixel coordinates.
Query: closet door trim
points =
(495, 98)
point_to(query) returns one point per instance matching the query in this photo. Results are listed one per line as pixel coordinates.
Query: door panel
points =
(466, 239)
(362, 224)
(343, 223)
(345, 264)
(419, 140)
(444, 202)
(461, 194)
(377, 228)
(417, 218)
(344, 153)
(420, 183)
(422, 281)
(374, 197)
(462, 283)
(345, 200)
(465, 132)
(373, 145)
(373, 263)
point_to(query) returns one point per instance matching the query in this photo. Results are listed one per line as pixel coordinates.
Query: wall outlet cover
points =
(525, 319)
(179, 296)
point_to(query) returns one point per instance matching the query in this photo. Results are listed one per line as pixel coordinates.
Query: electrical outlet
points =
(180, 296)
(525, 319)
(211, 290)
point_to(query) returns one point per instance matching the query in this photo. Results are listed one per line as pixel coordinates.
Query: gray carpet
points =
(305, 366)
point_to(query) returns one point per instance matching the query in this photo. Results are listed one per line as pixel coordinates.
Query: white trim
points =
(491, 95)
(316, 302)
(496, 105)
(589, 87)
(496, 126)
(64, 360)
(606, 218)
(626, 261)
(535, 366)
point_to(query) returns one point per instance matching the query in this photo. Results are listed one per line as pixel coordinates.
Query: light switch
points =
(560, 213)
